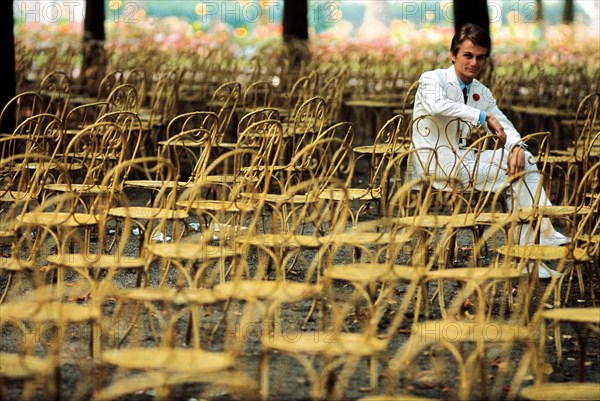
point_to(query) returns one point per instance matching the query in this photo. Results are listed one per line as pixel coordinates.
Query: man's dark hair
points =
(474, 33)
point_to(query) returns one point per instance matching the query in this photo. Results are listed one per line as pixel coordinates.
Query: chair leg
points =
(8, 283)
(264, 375)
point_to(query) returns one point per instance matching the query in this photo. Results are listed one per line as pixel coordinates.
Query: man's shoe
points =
(557, 239)
(544, 272)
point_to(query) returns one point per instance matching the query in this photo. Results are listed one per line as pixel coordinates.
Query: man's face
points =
(469, 60)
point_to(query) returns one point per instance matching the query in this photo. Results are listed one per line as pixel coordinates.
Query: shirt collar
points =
(462, 84)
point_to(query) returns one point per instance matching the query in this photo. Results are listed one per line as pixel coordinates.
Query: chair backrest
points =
(224, 180)
(224, 102)
(258, 95)
(24, 168)
(465, 163)
(385, 147)
(587, 189)
(45, 130)
(95, 149)
(23, 105)
(159, 168)
(164, 99)
(132, 128)
(538, 147)
(108, 84)
(254, 116)
(307, 123)
(300, 210)
(405, 171)
(586, 123)
(588, 225)
(266, 138)
(137, 77)
(422, 127)
(85, 114)
(303, 89)
(195, 121)
(55, 90)
(333, 93)
(123, 97)
(408, 100)
(326, 159)
(188, 136)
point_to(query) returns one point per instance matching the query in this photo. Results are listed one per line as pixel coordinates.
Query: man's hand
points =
(495, 127)
(516, 160)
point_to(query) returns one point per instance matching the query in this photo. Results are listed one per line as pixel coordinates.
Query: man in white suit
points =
(446, 95)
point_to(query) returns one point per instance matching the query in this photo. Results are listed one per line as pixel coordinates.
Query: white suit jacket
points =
(439, 96)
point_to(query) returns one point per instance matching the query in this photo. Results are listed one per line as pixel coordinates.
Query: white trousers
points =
(489, 172)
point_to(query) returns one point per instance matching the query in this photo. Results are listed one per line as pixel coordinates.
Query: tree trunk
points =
(7, 55)
(295, 31)
(474, 11)
(569, 12)
(539, 11)
(94, 63)
(295, 20)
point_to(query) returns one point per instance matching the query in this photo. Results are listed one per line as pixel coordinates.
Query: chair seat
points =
(49, 312)
(219, 206)
(468, 331)
(476, 274)
(544, 252)
(280, 291)
(169, 359)
(154, 184)
(184, 143)
(380, 149)
(575, 315)
(326, 344)
(558, 158)
(78, 188)
(226, 145)
(557, 210)
(17, 265)
(7, 233)
(143, 212)
(358, 237)
(589, 238)
(352, 194)
(72, 166)
(184, 250)
(92, 261)
(378, 104)
(52, 166)
(539, 110)
(16, 366)
(63, 219)
(13, 196)
(562, 391)
(284, 240)
(273, 198)
(300, 128)
(436, 221)
(234, 178)
(141, 382)
(397, 397)
(365, 273)
(184, 296)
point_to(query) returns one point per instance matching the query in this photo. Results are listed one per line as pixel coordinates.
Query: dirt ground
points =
(432, 373)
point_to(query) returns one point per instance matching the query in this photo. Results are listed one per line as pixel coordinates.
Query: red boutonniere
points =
(475, 96)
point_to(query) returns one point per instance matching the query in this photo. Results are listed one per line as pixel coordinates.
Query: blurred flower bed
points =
(177, 42)
(557, 44)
